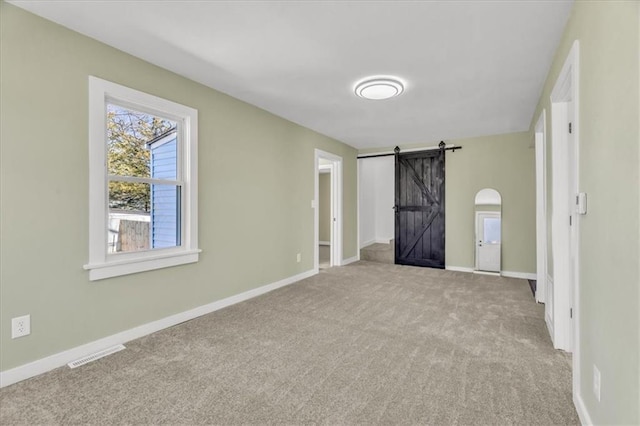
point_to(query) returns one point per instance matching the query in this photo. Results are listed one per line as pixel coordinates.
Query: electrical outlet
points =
(596, 382)
(298, 257)
(20, 326)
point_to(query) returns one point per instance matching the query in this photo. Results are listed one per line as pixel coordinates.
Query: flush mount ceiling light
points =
(379, 87)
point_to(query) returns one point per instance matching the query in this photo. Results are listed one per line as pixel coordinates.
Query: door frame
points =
(541, 207)
(488, 213)
(336, 208)
(565, 186)
(327, 169)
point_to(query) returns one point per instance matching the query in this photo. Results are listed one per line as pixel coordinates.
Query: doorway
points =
(327, 205)
(488, 231)
(488, 225)
(325, 216)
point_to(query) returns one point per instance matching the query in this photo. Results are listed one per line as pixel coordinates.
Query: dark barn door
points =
(420, 208)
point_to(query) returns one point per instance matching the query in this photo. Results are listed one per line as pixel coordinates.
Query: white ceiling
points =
(472, 68)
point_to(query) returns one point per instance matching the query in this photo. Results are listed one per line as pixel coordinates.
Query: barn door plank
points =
(419, 209)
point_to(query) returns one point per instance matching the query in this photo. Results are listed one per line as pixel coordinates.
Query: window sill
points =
(99, 271)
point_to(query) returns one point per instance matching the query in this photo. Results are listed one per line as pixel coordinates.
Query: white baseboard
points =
(60, 359)
(522, 275)
(509, 274)
(581, 408)
(350, 260)
(458, 268)
(383, 240)
(376, 241)
(324, 243)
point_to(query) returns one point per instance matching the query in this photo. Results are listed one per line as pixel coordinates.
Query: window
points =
(491, 230)
(142, 181)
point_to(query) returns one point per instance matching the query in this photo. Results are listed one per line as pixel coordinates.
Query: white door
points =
(564, 232)
(488, 241)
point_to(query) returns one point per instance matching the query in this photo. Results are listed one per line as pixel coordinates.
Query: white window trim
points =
(101, 264)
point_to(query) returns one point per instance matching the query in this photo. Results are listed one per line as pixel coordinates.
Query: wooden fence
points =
(133, 235)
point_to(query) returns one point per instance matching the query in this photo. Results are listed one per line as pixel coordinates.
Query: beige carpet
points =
(368, 343)
(379, 252)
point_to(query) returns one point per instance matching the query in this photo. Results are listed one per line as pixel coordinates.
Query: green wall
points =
(609, 299)
(505, 163)
(324, 209)
(488, 208)
(256, 183)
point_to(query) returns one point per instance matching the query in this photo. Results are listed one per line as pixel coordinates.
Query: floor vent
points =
(87, 359)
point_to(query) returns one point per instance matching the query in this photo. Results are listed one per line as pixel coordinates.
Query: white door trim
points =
(541, 206)
(336, 208)
(565, 186)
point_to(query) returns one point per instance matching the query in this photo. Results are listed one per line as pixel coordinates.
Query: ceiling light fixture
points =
(379, 87)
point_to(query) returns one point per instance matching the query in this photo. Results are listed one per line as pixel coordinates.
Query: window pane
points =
(129, 217)
(165, 216)
(164, 158)
(134, 197)
(143, 216)
(491, 230)
(140, 144)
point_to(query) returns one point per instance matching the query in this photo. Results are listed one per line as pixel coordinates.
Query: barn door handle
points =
(396, 209)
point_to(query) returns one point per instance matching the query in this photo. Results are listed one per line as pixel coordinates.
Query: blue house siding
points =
(165, 199)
